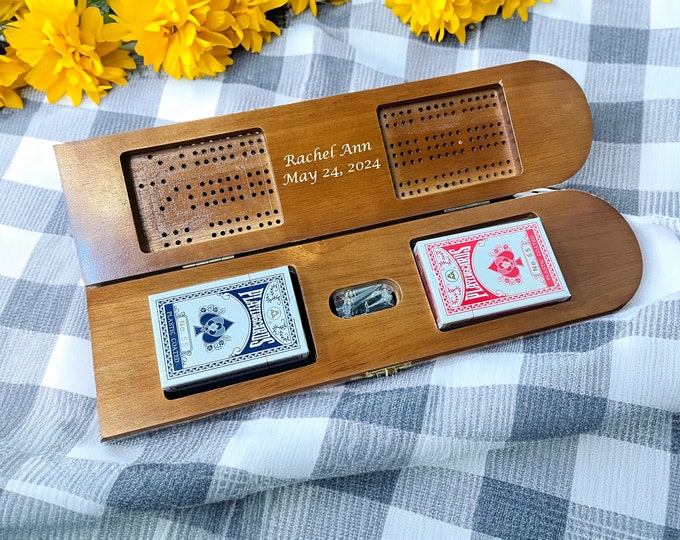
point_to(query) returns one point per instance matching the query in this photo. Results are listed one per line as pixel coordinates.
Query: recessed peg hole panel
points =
(202, 190)
(449, 141)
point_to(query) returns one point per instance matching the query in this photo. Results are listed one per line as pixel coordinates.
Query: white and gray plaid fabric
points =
(570, 433)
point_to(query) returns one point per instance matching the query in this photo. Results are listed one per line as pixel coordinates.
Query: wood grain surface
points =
(596, 249)
(335, 165)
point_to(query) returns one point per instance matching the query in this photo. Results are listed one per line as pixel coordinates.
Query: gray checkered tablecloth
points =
(570, 433)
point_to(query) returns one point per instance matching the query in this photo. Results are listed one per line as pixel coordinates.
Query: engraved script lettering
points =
(296, 178)
(316, 155)
(333, 170)
(351, 149)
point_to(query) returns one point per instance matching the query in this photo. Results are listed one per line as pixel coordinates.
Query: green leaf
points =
(101, 5)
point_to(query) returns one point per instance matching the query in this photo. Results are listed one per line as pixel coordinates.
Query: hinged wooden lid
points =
(166, 197)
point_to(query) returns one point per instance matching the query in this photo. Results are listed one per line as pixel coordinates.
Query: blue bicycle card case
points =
(227, 328)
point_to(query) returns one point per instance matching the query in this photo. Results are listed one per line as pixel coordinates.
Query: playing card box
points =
(224, 328)
(175, 227)
(481, 273)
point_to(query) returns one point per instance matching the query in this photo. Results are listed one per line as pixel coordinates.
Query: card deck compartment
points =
(490, 271)
(227, 328)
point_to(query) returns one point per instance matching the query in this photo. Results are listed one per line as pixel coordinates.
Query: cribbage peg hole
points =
(202, 190)
(449, 141)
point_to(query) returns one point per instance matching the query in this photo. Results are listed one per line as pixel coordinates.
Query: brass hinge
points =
(465, 206)
(384, 372)
(201, 263)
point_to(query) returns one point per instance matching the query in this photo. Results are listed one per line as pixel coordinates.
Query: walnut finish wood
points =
(449, 142)
(596, 250)
(202, 191)
(542, 126)
(338, 189)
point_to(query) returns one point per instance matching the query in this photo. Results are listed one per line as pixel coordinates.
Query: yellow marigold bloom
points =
(298, 6)
(434, 16)
(11, 77)
(480, 10)
(63, 46)
(9, 8)
(510, 7)
(251, 27)
(440, 16)
(186, 37)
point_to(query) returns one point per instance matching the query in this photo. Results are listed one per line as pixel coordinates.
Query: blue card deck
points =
(226, 328)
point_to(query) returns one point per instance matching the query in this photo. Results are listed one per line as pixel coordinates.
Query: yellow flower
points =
(9, 8)
(11, 77)
(518, 6)
(251, 27)
(435, 16)
(63, 46)
(298, 6)
(186, 37)
(441, 16)
(480, 10)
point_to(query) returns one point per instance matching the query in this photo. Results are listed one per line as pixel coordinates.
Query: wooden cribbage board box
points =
(338, 189)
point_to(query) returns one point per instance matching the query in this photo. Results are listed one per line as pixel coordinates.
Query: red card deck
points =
(498, 269)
